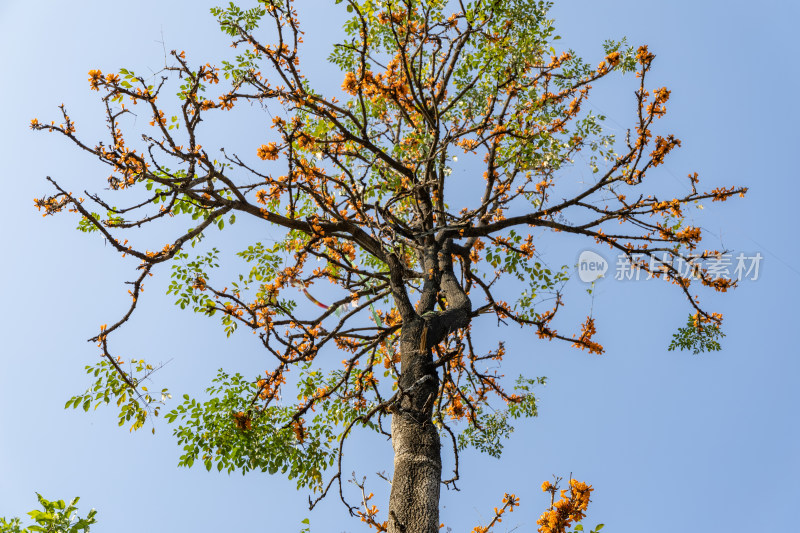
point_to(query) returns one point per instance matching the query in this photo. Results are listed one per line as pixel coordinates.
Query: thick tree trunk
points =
(414, 500)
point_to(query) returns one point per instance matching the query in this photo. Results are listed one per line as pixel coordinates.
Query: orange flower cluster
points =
(390, 85)
(350, 84)
(159, 119)
(611, 61)
(305, 141)
(574, 107)
(542, 185)
(242, 421)
(699, 320)
(208, 73)
(299, 431)
(644, 56)
(268, 388)
(585, 342)
(261, 196)
(689, 234)
(50, 205)
(721, 193)
(268, 152)
(543, 330)
(369, 513)
(455, 408)
(95, 79)
(556, 62)
(673, 206)
(663, 147)
(527, 248)
(509, 502)
(657, 108)
(226, 101)
(719, 284)
(643, 136)
(571, 508)
(396, 17)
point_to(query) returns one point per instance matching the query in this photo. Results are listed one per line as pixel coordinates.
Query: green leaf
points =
(697, 336)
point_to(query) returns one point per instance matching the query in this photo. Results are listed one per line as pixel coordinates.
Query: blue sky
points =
(669, 440)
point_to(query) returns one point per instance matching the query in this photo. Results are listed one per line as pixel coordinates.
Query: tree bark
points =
(414, 499)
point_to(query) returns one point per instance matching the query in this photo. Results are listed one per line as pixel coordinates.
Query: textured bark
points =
(414, 500)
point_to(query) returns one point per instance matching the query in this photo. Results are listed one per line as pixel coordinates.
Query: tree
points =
(56, 517)
(410, 255)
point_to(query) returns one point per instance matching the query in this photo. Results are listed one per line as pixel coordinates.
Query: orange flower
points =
(242, 421)
(268, 152)
(644, 56)
(95, 77)
(350, 83)
(305, 141)
(199, 283)
(613, 58)
(299, 430)
(689, 234)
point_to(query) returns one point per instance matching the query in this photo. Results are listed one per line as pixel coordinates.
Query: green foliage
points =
(541, 281)
(233, 430)
(182, 205)
(109, 386)
(209, 433)
(85, 225)
(189, 279)
(248, 19)
(185, 277)
(56, 517)
(492, 427)
(698, 337)
(233, 14)
(266, 264)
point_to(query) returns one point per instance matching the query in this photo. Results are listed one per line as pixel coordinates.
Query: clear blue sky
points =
(670, 441)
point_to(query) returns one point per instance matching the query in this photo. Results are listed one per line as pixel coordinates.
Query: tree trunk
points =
(414, 500)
